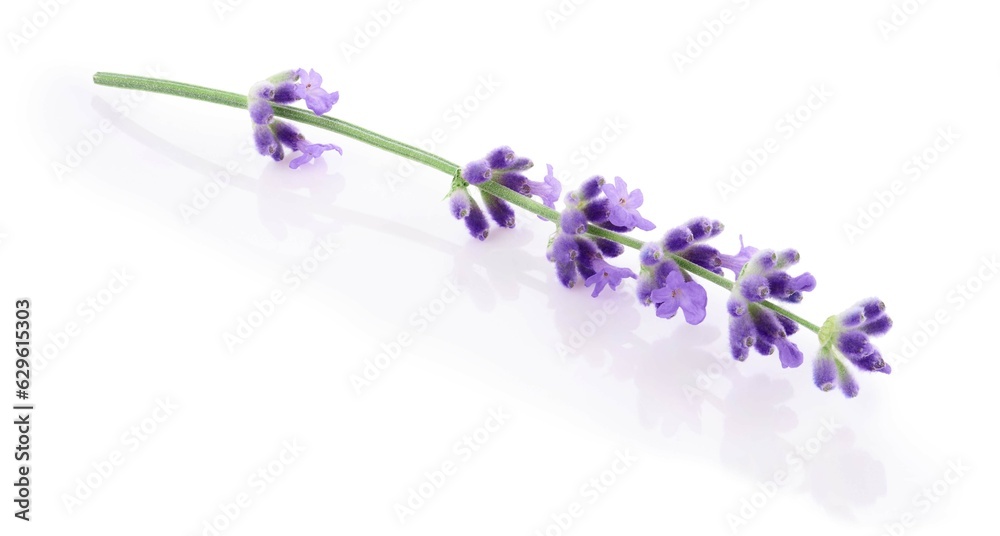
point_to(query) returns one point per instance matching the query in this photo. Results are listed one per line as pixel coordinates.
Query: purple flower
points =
(290, 137)
(309, 88)
(845, 338)
(311, 152)
(734, 263)
(624, 208)
(759, 277)
(547, 191)
(606, 275)
(676, 293)
(504, 167)
(272, 135)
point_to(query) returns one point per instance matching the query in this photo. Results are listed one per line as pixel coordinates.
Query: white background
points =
(557, 82)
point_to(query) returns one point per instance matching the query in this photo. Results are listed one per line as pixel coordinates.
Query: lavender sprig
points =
(589, 230)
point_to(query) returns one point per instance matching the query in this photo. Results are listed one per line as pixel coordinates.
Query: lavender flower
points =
(290, 136)
(549, 190)
(664, 284)
(623, 211)
(751, 325)
(606, 275)
(687, 240)
(504, 167)
(309, 89)
(272, 135)
(615, 210)
(845, 337)
(677, 293)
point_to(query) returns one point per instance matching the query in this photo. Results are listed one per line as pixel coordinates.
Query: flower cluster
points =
(751, 325)
(664, 284)
(503, 167)
(845, 337)
(271, 135)
(577, 255)
(586, 238)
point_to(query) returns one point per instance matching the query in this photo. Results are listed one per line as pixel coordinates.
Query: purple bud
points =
(609, 248)
(262, 90)
(854, 345)
(767, 324)
(701, 228)
(288, 134)
(644, 289)
(873, 308)
(565, 248)
(651, 254)
(763, 347)
(872, 363)
(848, 385)
(566, 272)
(591, 188)
(261, 112)
(741, 337)
(597, 211)
(824, 372)
(852, 317)
(588, 251)
(521, 164)
(477, 172)
(788, 258)
(787, 288)
(573, 221)
(264, 139)
(476, 221)
(279, 153)
(717, 228)
(790, 326)
(459, 203)
(705, 256)
(499, 210)
(285, 93)
(754, 288)
(678, 239)
(516, 182)
(501, 158)
(880, 326)
(764, 260)
(736, 306)
(796, 297)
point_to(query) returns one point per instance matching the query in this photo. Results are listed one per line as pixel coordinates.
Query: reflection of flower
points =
(843, 477)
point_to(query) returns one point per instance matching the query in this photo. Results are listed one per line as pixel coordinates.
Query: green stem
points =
(416, 154)
(236, 100)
